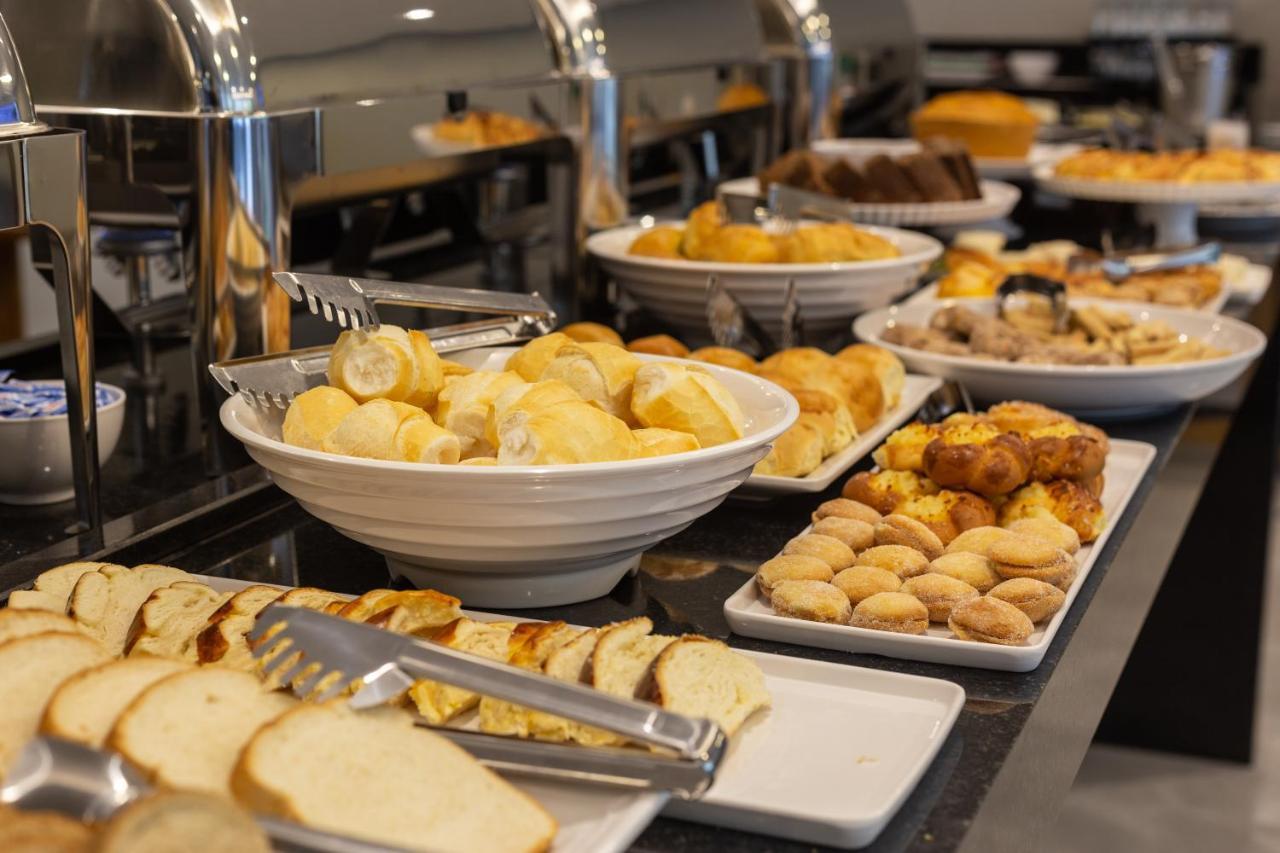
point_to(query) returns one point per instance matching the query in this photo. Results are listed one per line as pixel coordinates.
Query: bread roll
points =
(659, 345)
(670, 396)
(795, 453)
(369, 430)
(532, 358)
(428, 379)
(314, 414)
(592, 333)
(725, 357)
(827, 412)
(854, 384)
(386, 362)
(522, 401)
(655, 441)
(419, 439)
(886, 366)
(464, 406)
(602, 374)
(568, 434)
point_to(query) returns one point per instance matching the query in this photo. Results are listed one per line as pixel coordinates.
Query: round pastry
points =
(990, 620)
(978, 458)
(826, 411)
(1068, 502)
(1025, 418)
(891, 611)
(1024, 557)
(859, 582)
(795, 453)
(1050, 530)
(1062, 452)
(977, 540)
(791, 567)
(845, 508)
(1095, 486)
(858, 535)
(901, 530)
(830, 550)
(591, 333)
(948, 513)
(659, 345)
(969, 568)
(1037, 599)
(940, 594)
(902, 561)
(887, 367)
(883, 491)
(903, 450)
(725, 357)
(815, 601)
(660, 242)
(852, 383)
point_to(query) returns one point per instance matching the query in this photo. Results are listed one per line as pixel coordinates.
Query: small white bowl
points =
(35, 453)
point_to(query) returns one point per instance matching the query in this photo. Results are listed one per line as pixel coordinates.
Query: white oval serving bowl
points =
(35, 453)
(1100, 392)
(518, 536)
(830, 294)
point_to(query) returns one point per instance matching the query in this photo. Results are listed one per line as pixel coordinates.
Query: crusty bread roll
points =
(795, 453)
(656, 441)
(659, 345)
(592, 333)
(369, 430)
(853, 383)
(886, 366)
(532, 358)
(567, 434)
(519, 402)
(670, 396)
(464, 404)
(602, 374)
(725, 357)
(386, 362)
(829, 413)
(314, 414)
(419, 439)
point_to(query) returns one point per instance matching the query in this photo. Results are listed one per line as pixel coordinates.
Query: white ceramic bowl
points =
(830, 294)
(518, 536)
(1098, 392)
(35, 453)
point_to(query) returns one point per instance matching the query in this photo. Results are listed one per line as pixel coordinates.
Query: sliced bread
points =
(699, 677)
(362, 607)
(86, 705)
(42, 832)
(186, 730)
(529, 649)
(415, 611)
(622, 663)
(374, 775)
(105, 601)
(438, 702)
(571, 662)
(173, 821)
(167, 622)
(222, 640)
(24, 623)
(53, 587)
(31, 668)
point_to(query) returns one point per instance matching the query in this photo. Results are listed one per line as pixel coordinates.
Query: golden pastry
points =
(832, 242)
(314, 414)
(592, 333)
(725, 357)
(859, 582)
(1024, 557)
(480, 462)
(891, 611)
(902, 561)
(369, 430)
(791, 567)
(845, 508)
(795, 453)
(1063, 452)
(464, 404)
(700, 228)
(978, 458)
(1036, 599)
(1022, 417)
(948, 513)
(858, 535)
(990, 620)
(853, 383)
(670, 396)
(903, 450)
(830, 550)
(1050, 530)
(655, 441)
(826, 412)
(378, 363)
(568, 434)
(887, 367)
(901, 530)
(884, 491)
(740, 244)
(659, 345)
(989, 123)
(453, 368)
(815, 601)
(974, 569)
(662, 241)
(601, 373)
(940, 594)
(531, 359)
(522, 401)
(1068, 502)
(428, 380)
(419, 439)
(977, 540)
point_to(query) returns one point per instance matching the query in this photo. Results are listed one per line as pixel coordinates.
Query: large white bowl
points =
(1092, 391)
(830, 294)
(35, 453)
(518, 536)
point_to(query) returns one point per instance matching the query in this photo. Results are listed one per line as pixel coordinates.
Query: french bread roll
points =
(589, 333)
(726, 357)
(659, 345)
(521, 401)
(419, 439)
(464, 404)
(374, 363)
(568, 434)
(369, 430)
(656, 441)
(600, 373)
(85, 706)
(670, 396)
(795, 453)
(314, 415)
(532, 358)
(428, 376)
(886, 366)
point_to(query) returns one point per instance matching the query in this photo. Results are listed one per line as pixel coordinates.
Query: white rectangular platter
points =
(915, 391)
(830, 763)
(750, 614)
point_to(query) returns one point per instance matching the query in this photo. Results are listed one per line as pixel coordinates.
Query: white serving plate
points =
(858, 151)
(1154, 192)
(830, 762)
(830, 294)
(1252, 286)
(929, 294)
(751, 615)
(998, 201)
(915, 391)
(1103, 392)
(518, 536)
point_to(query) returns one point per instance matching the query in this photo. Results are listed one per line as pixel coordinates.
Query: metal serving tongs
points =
(272, 381)
(732, 325)
(1119, 268)
(1054, 291)
(337, 654)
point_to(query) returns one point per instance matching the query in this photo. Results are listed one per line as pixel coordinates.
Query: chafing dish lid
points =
(17, 116)
(656, 35)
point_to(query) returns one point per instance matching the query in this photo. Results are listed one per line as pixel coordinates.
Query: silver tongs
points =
(732, 325)
(336, 654)
(1119, 268)
(268, 381)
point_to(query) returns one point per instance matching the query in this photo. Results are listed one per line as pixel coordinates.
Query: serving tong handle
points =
(1054, 291)
(791, 203)
(1119, 269)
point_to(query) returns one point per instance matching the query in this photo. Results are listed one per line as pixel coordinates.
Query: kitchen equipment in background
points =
(877, 66)
(1195, 85)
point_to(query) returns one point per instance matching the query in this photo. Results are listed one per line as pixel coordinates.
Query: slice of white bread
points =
(438, 702)
(374, 775)
(104, 602)
(86, 705)
(173, 821)
(42, 832)
(53, 587)
(622, 663)
(570, 662)
(700, 677)
(530, 645)
(167, 622)
(24, 623)
(415, 611)
(31, 668)
(365, 605)
(222, 640)
(186, 730)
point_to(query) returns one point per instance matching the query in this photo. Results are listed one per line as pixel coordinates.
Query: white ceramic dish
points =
(929, 294)
(518, 536)
(751, 615)
(831, 762)
(1092, 391)
(830, 294)
(35, 453)
(1157, 192)
(998, 201)
(915, 391)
